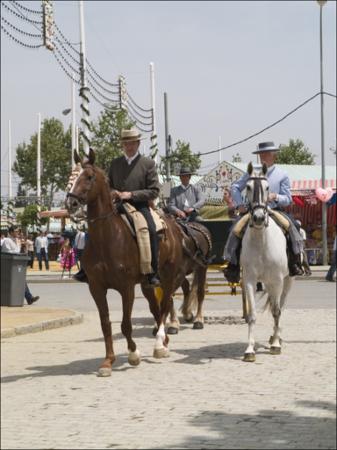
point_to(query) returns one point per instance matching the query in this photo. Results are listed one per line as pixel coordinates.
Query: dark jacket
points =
(140, 178)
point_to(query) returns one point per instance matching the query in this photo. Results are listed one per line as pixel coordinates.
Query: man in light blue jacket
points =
(279, 197)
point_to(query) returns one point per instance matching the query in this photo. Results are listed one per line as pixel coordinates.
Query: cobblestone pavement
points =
(203, 396)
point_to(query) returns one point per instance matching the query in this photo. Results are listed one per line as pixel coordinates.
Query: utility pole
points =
(153, 147)
(38, 165)
(10, 194)
(73, 120)
(324, 207)
(167, 140)
(84, 90)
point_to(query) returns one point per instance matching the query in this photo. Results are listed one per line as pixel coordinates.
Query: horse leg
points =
(276, 301)
(200, 276)
(173, 326)
(128, 297)
(161, 345)
(249, 355)
(99, 295)
(186, 308)
(153, 305)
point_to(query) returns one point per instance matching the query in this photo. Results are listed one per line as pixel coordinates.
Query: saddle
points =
(279, 219)
(139, 229)
(194, 230)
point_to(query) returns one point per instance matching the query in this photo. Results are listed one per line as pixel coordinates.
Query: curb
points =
(42, 326)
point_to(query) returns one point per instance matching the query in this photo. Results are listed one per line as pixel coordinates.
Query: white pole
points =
(77, 139)
(10, 193)
(220, 153)
(84, 88)
(153, 106)
(73, 120)
(38, 171)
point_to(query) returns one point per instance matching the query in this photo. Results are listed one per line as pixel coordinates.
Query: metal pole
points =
(10, 193)
(38, 165)
(73, 121)
(153, 107)
(84, 88)
(77, 139)
(324, 207)
(167, 140)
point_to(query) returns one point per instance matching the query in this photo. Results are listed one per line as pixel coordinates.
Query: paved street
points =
(202, 396)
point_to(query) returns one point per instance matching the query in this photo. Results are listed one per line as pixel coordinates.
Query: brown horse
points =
(111, 261)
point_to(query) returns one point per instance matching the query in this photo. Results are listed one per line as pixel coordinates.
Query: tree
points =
(181, 156)
(295, 153)
(55, 159)
(30, 217)
(106, 136)
(236, 158)
(20, 199)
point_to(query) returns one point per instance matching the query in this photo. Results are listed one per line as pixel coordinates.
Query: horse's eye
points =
(90, 177)
(267, 188)
(248, 188)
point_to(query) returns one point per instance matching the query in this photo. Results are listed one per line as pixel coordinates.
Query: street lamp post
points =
(324, 207)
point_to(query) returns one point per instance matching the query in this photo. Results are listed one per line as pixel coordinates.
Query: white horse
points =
(264, 259)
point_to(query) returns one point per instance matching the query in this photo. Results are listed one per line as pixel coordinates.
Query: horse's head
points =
(257, 190)
(82, 186)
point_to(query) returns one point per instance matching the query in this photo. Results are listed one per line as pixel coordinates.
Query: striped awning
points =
(303, 185)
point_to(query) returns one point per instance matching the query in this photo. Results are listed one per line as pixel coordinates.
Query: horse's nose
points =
(72, 203)
(258, 218)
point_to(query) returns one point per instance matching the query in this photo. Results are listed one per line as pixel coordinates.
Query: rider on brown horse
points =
(134, 178)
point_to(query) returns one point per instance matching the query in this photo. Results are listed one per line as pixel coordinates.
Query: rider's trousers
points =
(154, 244)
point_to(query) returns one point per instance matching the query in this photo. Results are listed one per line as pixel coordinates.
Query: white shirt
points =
(80, 240)
(129, 160)
(10, 245)
(303, 234)
(41, 242)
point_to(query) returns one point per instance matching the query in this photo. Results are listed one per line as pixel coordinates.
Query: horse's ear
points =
(91, 156)
(264, 168)
(250, 168)
(77, 158)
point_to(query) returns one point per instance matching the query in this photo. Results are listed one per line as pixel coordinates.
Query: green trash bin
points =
(13, 278)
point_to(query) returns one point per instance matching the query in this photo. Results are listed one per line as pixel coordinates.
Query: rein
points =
(256, 197)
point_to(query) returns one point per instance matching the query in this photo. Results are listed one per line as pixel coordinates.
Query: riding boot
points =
(81, 276)
(232, 271)
(294, 262)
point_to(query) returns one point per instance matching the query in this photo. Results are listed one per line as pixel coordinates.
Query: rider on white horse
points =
(279, 197)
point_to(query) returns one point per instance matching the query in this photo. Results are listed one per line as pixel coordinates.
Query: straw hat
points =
(132, 135)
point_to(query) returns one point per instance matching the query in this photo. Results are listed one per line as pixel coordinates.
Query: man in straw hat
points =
(134, 178)
(279, 197)
(185, 200)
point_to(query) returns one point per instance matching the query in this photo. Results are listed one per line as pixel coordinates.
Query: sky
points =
(230, 69)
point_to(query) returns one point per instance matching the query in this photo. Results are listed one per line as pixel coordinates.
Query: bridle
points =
(254, 205)
(83, 216)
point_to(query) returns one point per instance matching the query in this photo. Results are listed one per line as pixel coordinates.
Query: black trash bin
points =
(13, 278)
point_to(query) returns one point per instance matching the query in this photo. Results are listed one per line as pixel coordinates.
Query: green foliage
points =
(181, 156)
(30, 217)
(55, 159)
(295, 153)
(106, 136)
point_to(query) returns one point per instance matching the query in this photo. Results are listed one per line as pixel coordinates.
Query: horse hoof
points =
(249, 357)
(198, 326)
(189, 319)
(275, 350)
(104, 372)
(154, 331)
(161, 352)
(134, 358)
(172, 330)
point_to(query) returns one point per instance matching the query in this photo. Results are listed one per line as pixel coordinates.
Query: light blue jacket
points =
(279, 184)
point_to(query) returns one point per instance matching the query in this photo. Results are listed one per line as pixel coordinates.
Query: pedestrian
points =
(332, 269)
(279, 196)
(305, 262)
(133, 178)
(67, 256)
(186, 199)
(79, 244)
(11, 245)
(41, 248)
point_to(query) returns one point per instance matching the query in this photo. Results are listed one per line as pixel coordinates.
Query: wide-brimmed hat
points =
(266, 147)
(186, 171)
(132, 135)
